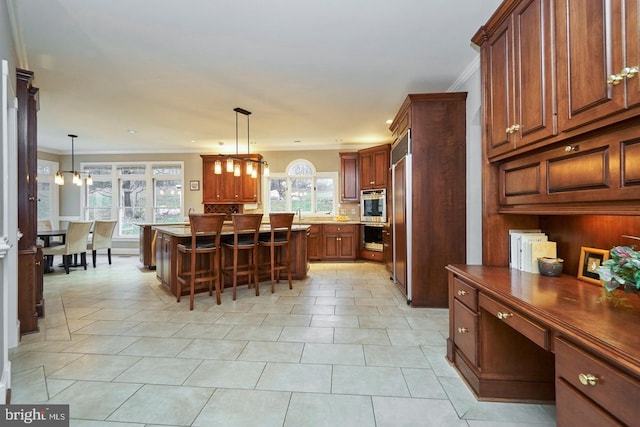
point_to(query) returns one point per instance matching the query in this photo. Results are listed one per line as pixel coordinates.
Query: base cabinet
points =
(333, 242)
(30, 299)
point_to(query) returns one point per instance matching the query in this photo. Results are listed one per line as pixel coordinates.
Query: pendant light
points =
(77, 176)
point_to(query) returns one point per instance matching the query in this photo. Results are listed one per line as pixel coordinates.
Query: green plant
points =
(621, 269)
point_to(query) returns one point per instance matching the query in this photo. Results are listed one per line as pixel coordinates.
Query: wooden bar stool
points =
(246, 229)
(205, 239)
(280, 224)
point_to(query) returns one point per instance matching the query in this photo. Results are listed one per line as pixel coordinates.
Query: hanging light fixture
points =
(217, 167)
(77, 176)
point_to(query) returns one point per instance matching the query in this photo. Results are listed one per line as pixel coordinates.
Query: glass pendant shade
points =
(89, 180)
(217, 167)
(249, 167)
(265, 171)
(236, 170)
(229, 164)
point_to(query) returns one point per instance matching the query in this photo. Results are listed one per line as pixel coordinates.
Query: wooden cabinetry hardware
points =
(463, 330)
(626, 72)
(587, 379)
(504, 316)
(571, 148)
(513, 129)
(462, 292)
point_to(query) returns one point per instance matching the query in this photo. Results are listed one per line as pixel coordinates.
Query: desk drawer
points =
(465, 327)
(609, 387)
(465, 293)
(535, 332)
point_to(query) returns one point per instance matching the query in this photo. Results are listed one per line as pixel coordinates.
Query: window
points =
(301, 187)
(133, 193)
(47, 192)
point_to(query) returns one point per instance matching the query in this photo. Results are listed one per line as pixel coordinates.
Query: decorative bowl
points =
(550, 266)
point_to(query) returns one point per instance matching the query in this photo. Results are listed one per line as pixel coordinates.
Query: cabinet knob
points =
(614, 79)
(587, 379)
(513, 129)
(462, 292)
(626, 72)
(463, 330)
(570, 148)
(504, 316)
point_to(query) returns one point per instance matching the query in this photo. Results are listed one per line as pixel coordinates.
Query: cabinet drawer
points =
(330, 228)
(535, 332)
(610, 388)
(314, 228)
(465, 293)
(572, 407)
(465, 328)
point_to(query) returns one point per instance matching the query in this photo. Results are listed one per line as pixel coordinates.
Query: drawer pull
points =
(587, 379)
(462, 292)
(463, 330)
(504, 316)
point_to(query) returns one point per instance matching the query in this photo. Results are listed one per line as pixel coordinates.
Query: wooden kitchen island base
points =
(168, 238)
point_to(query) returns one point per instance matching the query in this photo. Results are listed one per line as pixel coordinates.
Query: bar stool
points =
(246, 229)
(203, 226)
(279, 237)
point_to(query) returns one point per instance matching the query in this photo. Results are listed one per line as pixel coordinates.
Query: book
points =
(525, 249)
(514, 246)
(546, 249)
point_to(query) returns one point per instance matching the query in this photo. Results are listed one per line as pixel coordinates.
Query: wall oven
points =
(373, 206)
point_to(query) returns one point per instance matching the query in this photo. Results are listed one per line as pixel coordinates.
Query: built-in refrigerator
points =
(401, 213)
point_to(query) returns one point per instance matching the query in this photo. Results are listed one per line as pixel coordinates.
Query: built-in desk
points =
(525, 337)
(168, 238)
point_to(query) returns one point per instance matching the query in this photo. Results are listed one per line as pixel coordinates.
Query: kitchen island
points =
(169, 236)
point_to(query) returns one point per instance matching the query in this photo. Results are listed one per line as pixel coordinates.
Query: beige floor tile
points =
(255, 333)
(311, 409)
(159, 370)
(279, 319)
(371, 381)
(154, 329)
(158, 347)
(333, 354)
(313, 309)
(242, 408)
(361, 336)
(334, 321)
(203, 330)
(272, 352)
(95, 367)
(306, 334)
(414, 413)
(294, 377)
(396, 356)
(213, 349)
(94, 400)
(226, 374)
(99, 344)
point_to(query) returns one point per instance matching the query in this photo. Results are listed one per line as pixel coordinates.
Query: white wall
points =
(469, 82)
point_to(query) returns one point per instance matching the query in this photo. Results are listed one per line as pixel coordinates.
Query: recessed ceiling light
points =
(297, 141)
(193, 141)
(132, 131)
(389, 121)
(220, 143)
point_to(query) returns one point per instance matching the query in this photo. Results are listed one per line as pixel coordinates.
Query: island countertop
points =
(227, 229)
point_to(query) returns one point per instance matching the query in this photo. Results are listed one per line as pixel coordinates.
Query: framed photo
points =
(194, 185)
(590, 260)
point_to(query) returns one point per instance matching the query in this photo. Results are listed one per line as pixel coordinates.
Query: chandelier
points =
(77, 176)
(232, 163)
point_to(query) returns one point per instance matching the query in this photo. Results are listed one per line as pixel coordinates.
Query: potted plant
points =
(621, 270)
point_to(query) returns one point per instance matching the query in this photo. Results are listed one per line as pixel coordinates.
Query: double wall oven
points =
(373, 215)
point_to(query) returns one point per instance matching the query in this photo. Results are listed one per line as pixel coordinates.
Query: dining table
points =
(46, 236)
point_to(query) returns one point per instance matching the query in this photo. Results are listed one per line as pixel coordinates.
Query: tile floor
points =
(340, 349)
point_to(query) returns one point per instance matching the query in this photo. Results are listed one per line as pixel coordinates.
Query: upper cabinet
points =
(226, 187)
(595, 71)
(374, 167)
(519, 76)
(555, 70)
(349, 176)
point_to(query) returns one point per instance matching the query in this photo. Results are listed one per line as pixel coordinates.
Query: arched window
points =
(302, 188)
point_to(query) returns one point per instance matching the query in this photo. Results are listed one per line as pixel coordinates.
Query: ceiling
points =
(165, 75)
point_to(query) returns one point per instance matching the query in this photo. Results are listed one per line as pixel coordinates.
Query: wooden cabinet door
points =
(521, 79)
(248, 188)
(590, 49)
(209, 182)
(347, 245)
(330, 247)
(380, 167)
(497, 63)
(349, 177)
(366, 167)
(227, 187)
(534, 76)
(314, 242)
(633, 51)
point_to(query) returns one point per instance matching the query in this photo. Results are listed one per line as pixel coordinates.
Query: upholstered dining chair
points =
(246, 230)
(205, 241)
(47, 225)
(101, 238)
(75, 243)
(278, 238)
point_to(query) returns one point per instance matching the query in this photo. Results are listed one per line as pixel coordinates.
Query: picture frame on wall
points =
(590, 260)
(194, 185)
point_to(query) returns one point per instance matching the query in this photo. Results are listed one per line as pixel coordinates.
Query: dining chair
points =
(205, 240)
(278, 238)
(47, 225)
(246, 229)
(101, 238)
(75, 243)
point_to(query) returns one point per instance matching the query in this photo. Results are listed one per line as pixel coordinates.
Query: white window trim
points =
(54, 195)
